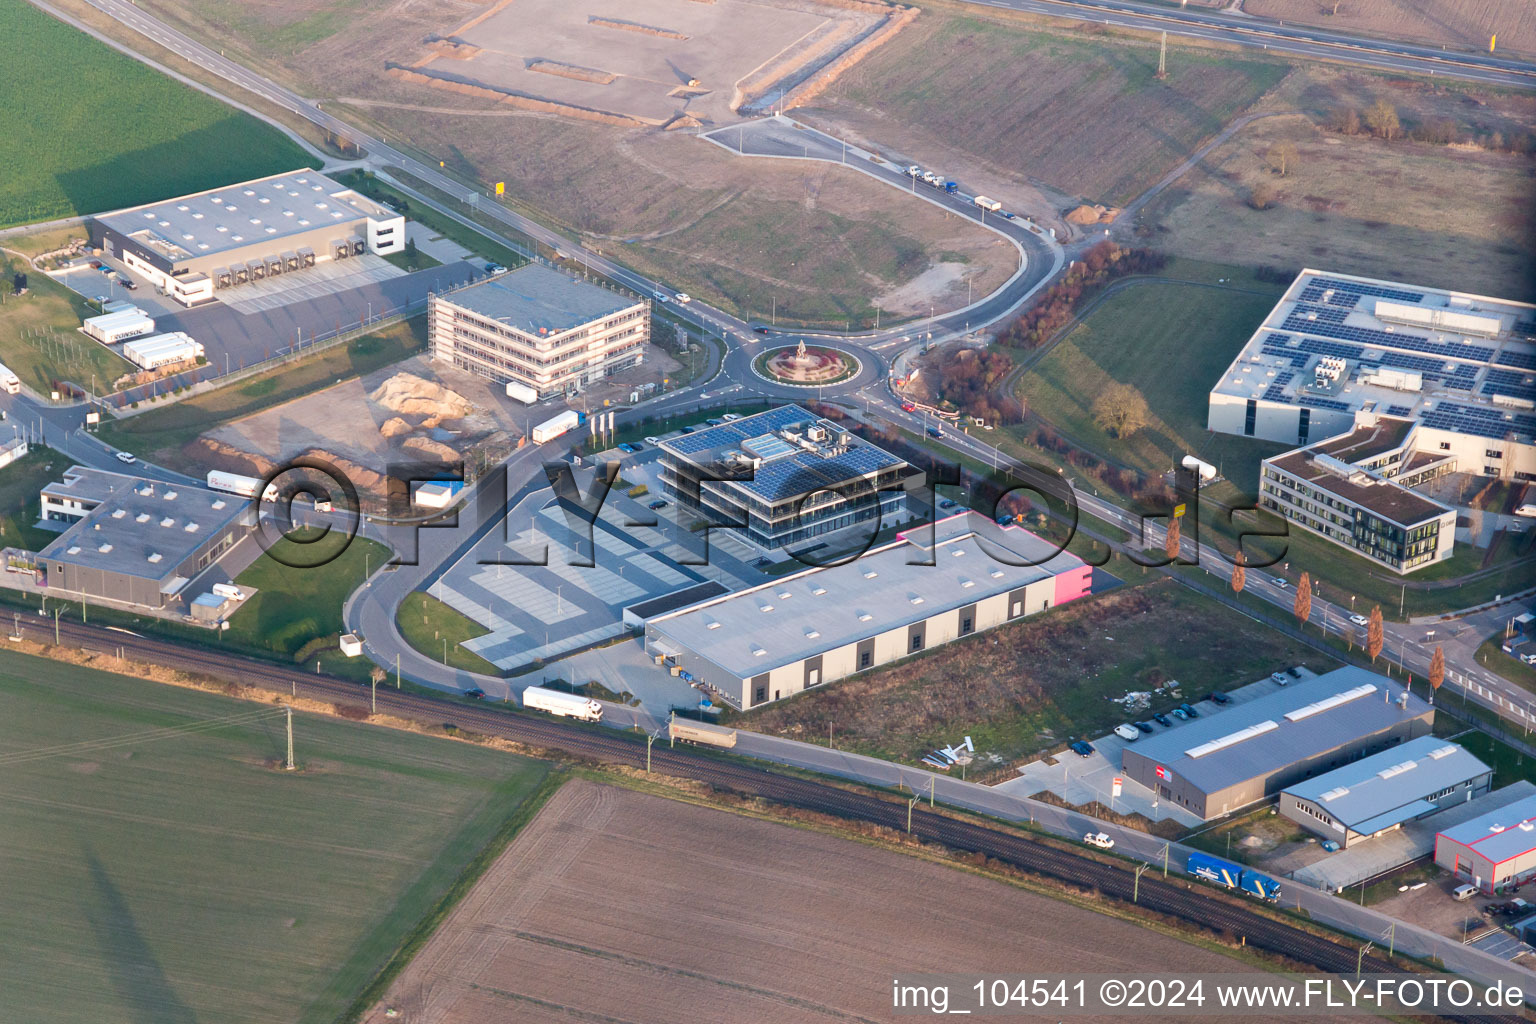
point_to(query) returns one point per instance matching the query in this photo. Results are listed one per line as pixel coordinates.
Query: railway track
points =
(1174, 897)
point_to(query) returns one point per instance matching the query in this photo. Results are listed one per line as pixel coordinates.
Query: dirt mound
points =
(206, 451)
(367, 481)
(394, 427)
(436, 449)
(410, 395)
(1091, 214)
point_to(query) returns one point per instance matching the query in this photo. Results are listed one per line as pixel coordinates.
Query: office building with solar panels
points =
(196, 245)
(963, 575)
(1339, 356)
(1250, 751)
(786, 477)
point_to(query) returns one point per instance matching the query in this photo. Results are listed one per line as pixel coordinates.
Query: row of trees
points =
(1381, 119)
(968, 379)
(1054, 309)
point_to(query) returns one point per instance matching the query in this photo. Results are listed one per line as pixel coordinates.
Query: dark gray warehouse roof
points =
(1269, 733)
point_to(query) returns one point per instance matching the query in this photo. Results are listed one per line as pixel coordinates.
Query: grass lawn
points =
(1508, 764)
(411, 262)
(168, 428)
(1491, 655)
(1170, 341)
(39, 336)
(297, 605)
(177, 876)
(87, 129)
(426, 622)
(1030, 687)
(19, 508)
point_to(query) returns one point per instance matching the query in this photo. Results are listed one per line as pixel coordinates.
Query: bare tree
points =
(1345, 120)
(378, 675)
(1239, 574)
(1282, 156)
(1262, 197)
(1303, 605)
(1121, 410)
(1381, 119)
(1375, 634)
(1436, 672)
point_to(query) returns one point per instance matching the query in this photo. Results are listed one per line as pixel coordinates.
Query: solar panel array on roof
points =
(1510, 383)
(1276, 389)
(1398, 410)
(1523, 360)
(1361, 288)
(733, 433)
(1323, 403)
(1480, 422)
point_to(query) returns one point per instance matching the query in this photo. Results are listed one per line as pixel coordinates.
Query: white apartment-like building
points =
(539, 327)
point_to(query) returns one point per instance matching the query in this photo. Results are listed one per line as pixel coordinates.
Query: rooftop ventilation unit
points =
(167, 522)
(1222, 742)
(1329, 703)
(870, 574)
(118, 513)
(154, 556)
(1397, 769)
(1439, 752)
(818, 591)
(1335, 793)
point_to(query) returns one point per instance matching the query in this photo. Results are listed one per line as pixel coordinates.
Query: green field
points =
(296, 605)
(182, 876)
(87, 129)
(426, 622)
(160, 432)
(39, 333)
(1170, 340)
(20, 483)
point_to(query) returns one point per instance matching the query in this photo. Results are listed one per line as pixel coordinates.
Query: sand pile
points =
(410, 395)
(1091, 214)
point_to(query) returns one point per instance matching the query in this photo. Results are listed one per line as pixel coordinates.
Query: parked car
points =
(1127, 733)
(714, 422)
(636, 446)
(1143, 726)
(1191, 712)
(625, 447)
(1008, 215)
(759, 330)
(128, 283)
(731, 416)
(1081, 749)
(1529, 659)
(127, 457)
(1217, 697)
(1329, 846)
(653, 440)
(659, 296)
(947, 504)
(495, 268)
(659, 503)
(1360, 620)
(1279, 677)
(1099, 839)
(1162, 719)
(1181, 714)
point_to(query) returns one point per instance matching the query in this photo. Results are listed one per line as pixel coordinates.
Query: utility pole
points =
(56, 626)
(914, 800)
(373, 685)
(289, 765)
(1136, 884)
(1360, 960)
(1162, 58)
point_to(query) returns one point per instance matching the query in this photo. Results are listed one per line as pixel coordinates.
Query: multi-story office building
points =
(785, 476)
(539, 327)
(1353, 489)
(195, 245)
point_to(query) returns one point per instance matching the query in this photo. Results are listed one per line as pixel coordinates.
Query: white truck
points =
(564, 705)
(9, 382)
(990, 205)
(521, 393)
(556, 425)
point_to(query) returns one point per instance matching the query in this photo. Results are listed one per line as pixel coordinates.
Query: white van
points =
(1464, 892)
(1127, 732)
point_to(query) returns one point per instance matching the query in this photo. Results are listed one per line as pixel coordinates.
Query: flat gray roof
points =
(1377, 785)
(252, 213)
(534, 297)
(135, 519)
(1499, 835)
(803, 615)
(1276, 740)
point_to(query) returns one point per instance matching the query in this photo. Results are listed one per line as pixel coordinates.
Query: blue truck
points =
(1234, 876)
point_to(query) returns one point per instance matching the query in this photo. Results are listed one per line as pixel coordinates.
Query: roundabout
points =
(806, 366)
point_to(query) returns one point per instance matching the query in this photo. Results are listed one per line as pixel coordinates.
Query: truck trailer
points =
(703, 733)
(1234, 876)
(521, 392)
(565, 705)
(557, 425)
(244, 486)
(990, 205)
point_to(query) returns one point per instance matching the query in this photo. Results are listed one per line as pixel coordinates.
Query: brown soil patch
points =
(618, 905)
(1462, 24)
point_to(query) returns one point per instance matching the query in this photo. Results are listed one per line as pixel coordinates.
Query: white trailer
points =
(521, 392)
(1205, 469)
(556, 425)
(565, 705)
(162, 350)
(9, 382)
(119, 325)
(701, 732)
(990, 205)
(244, 486)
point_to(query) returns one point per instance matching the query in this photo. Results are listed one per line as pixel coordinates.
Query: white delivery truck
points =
(566, 705)
(990, 205)
(9, 382)
(521, 392)
(556, 425)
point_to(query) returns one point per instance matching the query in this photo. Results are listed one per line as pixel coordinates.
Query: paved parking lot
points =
(1501, 944)
(301, 285)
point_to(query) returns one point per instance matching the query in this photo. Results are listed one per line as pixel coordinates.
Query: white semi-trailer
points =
(556, 425)
(245, 486)
(990, 205)
(521, 392)
(566, 705)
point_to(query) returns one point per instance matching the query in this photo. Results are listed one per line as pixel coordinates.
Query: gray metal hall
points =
(1251, 751)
